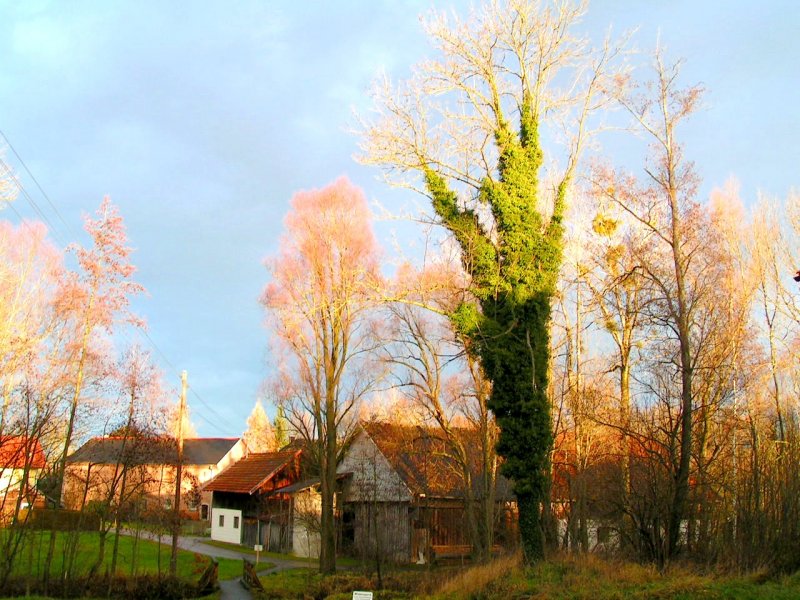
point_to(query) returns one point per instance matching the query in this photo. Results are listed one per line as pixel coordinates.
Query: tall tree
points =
(259, 436)
(469, 127)
(666, 207)
(30, 268)
(96, 298)
(320, 300)
(424, 352)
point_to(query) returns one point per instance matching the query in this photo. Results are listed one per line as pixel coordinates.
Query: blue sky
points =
(201, 119)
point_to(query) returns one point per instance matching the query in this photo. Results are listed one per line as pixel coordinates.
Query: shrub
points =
(63, 520)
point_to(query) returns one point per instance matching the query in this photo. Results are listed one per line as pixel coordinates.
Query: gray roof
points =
(133, 450)
(206, 451)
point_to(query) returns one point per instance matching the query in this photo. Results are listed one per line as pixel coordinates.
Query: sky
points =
(200, 120)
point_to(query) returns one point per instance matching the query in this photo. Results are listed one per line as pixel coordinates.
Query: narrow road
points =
(231, 589)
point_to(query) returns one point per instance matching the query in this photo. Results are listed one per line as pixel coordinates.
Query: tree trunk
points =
(327, 562)
(530, 528)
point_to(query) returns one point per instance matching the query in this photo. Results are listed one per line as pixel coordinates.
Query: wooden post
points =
(176, 524)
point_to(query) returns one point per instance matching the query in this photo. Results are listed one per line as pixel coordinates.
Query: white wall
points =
(305, 524)
(227, 532)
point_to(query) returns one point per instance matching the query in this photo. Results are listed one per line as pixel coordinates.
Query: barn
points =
(404, 497)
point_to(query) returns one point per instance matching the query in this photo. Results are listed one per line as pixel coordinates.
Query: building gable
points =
(374, 478)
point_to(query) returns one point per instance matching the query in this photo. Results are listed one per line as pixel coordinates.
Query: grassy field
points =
(148, 558)
(584, 578)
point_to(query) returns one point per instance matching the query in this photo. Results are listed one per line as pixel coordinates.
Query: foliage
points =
(319, 300)
(483, 174)
(259, 436)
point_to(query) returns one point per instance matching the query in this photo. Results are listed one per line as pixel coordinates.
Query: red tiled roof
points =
(17, 452)
(252, 472)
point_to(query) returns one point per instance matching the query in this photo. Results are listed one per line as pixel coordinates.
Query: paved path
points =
(231, 589)
(198, 545)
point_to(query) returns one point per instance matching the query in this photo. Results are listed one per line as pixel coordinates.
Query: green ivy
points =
(514, 276)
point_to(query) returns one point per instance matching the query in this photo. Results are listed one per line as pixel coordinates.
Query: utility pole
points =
(176, 518)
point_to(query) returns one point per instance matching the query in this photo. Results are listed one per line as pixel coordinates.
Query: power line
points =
(17, 182)
(24, 192)
(174, 371)
(191, 389)
(36, 181)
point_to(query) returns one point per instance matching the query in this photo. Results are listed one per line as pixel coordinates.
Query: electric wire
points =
(36, 181)
(9, 172)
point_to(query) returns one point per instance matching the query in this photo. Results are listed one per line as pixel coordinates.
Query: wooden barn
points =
(405, 497)
(253, 501)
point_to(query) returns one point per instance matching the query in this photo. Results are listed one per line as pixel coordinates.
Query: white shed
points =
(226, 525)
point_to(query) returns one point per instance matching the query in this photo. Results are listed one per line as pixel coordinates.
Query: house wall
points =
(157, 482)
(10, 488)
(233, 455)
(306, 512)
(10, 478)
(226, 525)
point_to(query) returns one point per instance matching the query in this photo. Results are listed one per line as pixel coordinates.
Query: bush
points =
(144, 587)
(63, 520)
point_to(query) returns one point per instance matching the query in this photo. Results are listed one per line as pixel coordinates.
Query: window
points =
(204, 512)
(603, 534)
(222, 520)
(236, 522)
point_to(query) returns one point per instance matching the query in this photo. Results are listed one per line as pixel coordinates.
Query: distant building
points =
(95, 470)
(21, 463)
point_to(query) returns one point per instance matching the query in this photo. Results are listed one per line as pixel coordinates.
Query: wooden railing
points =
(250, 578)
(208, 583)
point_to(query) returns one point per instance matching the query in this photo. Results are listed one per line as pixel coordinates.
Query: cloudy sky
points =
(201, 119)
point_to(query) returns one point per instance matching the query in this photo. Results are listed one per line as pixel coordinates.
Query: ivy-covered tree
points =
(467, 132)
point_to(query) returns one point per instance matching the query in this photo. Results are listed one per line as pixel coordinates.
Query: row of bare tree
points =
(675, 369)
(62, 381)
(671, 384)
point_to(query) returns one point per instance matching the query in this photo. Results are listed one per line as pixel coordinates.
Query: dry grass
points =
(474, 580)
(590, 577)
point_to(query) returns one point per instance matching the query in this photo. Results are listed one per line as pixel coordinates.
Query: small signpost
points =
(362, 595)
(258, 548)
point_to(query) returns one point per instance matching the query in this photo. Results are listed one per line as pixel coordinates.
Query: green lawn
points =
(566, 578)
(342, 561)
(148, 558)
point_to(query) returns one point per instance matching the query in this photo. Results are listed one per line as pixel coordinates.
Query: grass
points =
(150, 557)
(591, 578)
(562, 578)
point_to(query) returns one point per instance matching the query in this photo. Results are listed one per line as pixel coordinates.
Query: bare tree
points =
(666, 208)
(320, 299)
(448, 133)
